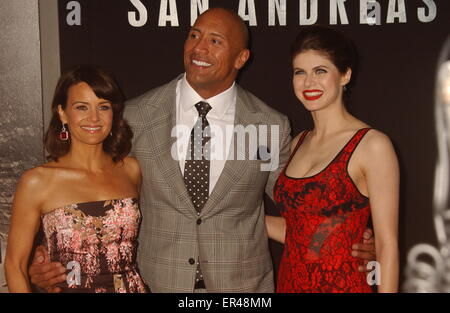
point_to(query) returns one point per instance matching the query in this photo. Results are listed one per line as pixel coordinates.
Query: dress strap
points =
(351, 145)
(299, 143)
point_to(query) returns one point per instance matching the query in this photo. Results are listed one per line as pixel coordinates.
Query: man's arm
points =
(284, 141)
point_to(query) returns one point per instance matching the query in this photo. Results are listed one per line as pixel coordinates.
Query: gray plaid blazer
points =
(229, 237)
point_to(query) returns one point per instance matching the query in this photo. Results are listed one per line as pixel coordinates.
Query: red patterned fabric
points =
(325, 215)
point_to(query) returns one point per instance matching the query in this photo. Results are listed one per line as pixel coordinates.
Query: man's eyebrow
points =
(213, 33)
(218, 35)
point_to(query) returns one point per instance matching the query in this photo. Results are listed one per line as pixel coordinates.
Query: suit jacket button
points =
(199, 221)
(191, 261)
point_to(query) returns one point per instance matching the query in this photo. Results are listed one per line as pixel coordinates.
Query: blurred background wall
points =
(29, 65)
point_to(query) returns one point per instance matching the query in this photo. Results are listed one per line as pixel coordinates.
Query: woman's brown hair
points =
(118, 144)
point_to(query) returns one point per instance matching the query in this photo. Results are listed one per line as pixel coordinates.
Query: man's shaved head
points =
(235, 19)
(214, 51)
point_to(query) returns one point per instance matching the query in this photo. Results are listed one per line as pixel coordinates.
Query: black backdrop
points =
(394, 92)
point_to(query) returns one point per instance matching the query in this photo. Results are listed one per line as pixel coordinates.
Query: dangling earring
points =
(64, 134)
(345, 88)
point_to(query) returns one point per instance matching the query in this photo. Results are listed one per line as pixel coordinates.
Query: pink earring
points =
(64, 134)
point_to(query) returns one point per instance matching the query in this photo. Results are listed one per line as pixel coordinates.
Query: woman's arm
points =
(25, 221)
(381, 171)
(276, 228)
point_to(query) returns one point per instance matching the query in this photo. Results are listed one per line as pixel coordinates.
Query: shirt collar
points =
(219, 103)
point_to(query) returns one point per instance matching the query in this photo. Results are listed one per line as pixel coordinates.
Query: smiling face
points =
(317, 82)
(214, 51)
(89, 118)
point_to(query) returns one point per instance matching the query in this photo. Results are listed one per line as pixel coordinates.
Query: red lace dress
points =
(325, 215)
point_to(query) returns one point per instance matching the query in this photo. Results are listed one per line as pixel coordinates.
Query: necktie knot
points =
(203, 108)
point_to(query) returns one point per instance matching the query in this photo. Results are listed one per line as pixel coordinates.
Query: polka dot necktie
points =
(196, 168)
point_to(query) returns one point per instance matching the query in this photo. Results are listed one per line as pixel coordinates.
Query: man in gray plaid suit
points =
(222, 245)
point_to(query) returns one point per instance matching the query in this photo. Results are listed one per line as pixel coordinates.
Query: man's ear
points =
(62, 114)
(241, 59)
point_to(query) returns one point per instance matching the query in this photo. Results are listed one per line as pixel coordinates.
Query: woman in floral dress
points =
(86, 197)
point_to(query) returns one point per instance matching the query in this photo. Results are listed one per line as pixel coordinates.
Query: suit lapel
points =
(159, 133)
(161, 112)
(234, 169)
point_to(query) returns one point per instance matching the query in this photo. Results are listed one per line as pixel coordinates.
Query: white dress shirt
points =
(220, 119)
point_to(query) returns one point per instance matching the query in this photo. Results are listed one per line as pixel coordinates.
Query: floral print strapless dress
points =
(96, 242)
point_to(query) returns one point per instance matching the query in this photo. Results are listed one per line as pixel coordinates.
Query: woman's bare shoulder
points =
(132, 167)
(36, 181)
(375, 148)
(36, 175)
(376, 141)
(131, 161)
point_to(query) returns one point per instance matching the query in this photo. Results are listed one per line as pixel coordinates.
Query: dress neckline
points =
(329, 164)
(87, 202)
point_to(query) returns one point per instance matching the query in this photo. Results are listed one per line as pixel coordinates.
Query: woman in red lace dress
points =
(339, 174)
